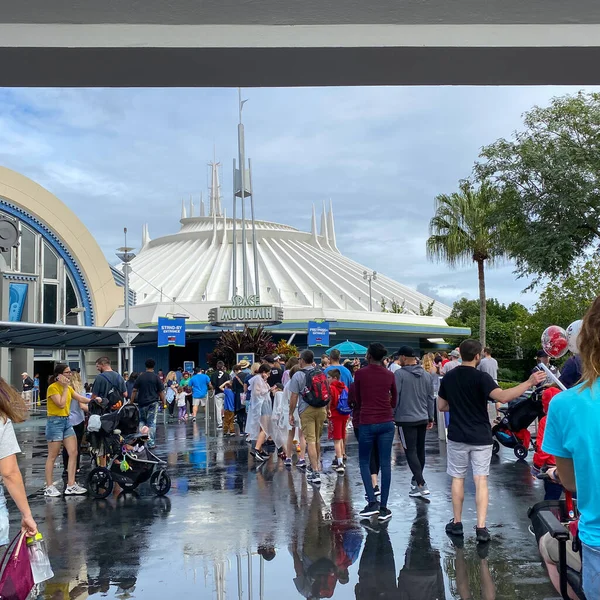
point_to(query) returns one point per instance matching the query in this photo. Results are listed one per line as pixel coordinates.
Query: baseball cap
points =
(269, 358)
(541, 353)
(455, 353)
(406, 351)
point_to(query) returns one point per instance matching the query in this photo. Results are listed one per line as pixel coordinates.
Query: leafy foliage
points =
(426, 311)
(396, 307)
(549, 177)
(285, 349)
(231, 343)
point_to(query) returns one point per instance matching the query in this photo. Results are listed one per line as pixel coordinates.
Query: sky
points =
(125, 157)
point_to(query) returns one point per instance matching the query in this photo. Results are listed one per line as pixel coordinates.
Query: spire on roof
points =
(145, 234)
(183, 213)
(215, 190)
(214, 233)
(202, 209)
(324, 233)
(313, 228)
(191, 206)
(224, 237)
(331, 227)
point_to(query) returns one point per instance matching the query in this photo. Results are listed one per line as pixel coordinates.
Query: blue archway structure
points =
(70, 262)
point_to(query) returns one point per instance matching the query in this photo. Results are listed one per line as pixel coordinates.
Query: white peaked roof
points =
(296, 268)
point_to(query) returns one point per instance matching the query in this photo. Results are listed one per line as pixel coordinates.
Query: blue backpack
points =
(342, 406)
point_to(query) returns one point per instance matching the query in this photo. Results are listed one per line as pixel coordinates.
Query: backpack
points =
(316, 389)
(114, 396)
(342, 406)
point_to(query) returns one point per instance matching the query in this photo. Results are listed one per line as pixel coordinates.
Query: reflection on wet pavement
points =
(231, 530)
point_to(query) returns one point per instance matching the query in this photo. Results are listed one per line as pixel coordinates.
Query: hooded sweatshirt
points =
(336, 388)
(416, 399)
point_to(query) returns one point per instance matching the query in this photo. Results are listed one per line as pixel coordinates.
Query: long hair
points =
(428, 363)
(255, 367)
(59, 369)
(76, 382)
(589, 345)
(12, 405)
(171, 376)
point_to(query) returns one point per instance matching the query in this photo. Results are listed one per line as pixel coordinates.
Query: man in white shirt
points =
(488, 364)
(395, 364)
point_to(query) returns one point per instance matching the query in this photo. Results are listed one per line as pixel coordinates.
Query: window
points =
(70, 302)
(50, 263)
(50, 303)
(27, 250)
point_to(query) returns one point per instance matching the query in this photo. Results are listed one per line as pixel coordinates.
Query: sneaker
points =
(453, 528)
(219, 426)
(369, 510)
(301, 464)
(377, 493)
(338, 465)
(288, 462)
(75, 490)
(340, 469)
(193, 419)
(483, 535)
(259, 455)
(313, 477)
(51, 491)
(385, 514)
(419, 491)
(424, 490)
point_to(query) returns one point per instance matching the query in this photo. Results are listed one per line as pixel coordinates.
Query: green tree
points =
(549, 177)
(464, 229)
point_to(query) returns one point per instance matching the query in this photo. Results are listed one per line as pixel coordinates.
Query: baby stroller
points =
(554, 524)
(517, 416)
(114, 435)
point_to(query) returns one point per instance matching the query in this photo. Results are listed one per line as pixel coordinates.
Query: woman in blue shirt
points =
(572, 434)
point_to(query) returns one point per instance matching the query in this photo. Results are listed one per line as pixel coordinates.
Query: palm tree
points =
(465, 228)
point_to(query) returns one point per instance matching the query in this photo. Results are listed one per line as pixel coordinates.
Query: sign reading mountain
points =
(245, 311)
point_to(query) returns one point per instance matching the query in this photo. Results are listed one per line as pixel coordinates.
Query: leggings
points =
(240, 417)
(374, 464)
(413, 440)
(79, 431)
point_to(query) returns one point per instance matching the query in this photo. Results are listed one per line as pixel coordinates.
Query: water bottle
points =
(38, 557)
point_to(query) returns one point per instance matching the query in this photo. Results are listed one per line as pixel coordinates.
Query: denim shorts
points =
(58, 429)
(4, 539)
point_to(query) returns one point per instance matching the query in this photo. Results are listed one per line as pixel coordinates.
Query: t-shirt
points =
(467, 391)
(104, 382)
(229, 400)
(181, 399)
(199, 384)
(149, 387)
(8, 439)
(394, 367)
(52, 408)
(489, 366)
(573, 431)
(345, 375)
(275, 376)
(218, 378)
(449, 366)
(297, 384)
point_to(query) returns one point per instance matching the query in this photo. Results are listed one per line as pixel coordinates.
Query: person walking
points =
(464, 392)
(312, 418)
(200, 384)
(376, 397)
(414, 415)
(237, 387)
(338, 420)
(259, 419)
(130, 383)
(296, 426)
(28, 384)
(59, 432)
(571, 436)
(108, 382)
(217, 380)
(148, 392)
(181, 405)
(12, 410)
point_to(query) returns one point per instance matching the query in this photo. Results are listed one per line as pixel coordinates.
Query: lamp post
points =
(370, 277)
(126, 255)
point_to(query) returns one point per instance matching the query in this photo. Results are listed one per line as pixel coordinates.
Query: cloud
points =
(447, 294)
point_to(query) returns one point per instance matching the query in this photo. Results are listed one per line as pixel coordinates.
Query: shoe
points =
(338, 465)
(288, 462)
(377, 493)
(193, 419)
(385, 514)
(340, 469)
(369, 510)
(483, 535)
(314, 477)
(219, 426)
(51, 491)
(75, 490)
(301, 464)
(258, 455)
(424, 490)
(453, 528)
(420, 491)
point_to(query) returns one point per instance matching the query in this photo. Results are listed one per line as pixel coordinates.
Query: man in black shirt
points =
(107, 380)
(148, 391)
(276, 374)
(465, 392)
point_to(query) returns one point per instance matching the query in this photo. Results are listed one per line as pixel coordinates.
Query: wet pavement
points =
(230, 529)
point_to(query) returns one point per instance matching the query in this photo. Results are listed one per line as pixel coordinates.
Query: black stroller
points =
(114, 435)
(553, 519)
(517, 416)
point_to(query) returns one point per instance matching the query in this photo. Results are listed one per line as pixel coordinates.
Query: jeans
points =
(382, 436)
(219, 400)
(374, 460)
(591, 572)
(148, 417)
(413, 440)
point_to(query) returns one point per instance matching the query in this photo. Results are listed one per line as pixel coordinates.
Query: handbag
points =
(16, 581)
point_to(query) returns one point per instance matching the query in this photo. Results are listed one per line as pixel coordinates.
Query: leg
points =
(79, 433)
(320, 417)
(365, 444)
(458, 464)
(262, 436)
(481, 498)
(151, 423)
(143, 416)
(302, 442)
(219, 409)
(70, 443)
(385, 440)
(65, 459)
(339, 452)
(409, 436)
(591, 571)
(421, 437)
(458, 498)
(488, 587)
(195, 403)
(462, 576)
(53, 450)
(290, 444)
(309, 427)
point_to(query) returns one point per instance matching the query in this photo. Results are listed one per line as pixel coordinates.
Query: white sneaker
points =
(75, 490)
(51, 491)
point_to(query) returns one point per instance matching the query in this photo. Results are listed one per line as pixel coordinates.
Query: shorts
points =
(58, 429)
(460, 455)
(338, 425)
(199, 401)
(312, 420)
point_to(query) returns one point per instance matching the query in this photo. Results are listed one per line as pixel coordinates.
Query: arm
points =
(431, 401)
(9, 469)
(504, 396)
(61, 401)
(81, 399)
(293, 404)
(443, 405)
(566, 472)
(394, 394)
(134, 395)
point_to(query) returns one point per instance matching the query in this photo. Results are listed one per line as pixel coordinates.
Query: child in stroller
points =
(116, 442)
(510, 430)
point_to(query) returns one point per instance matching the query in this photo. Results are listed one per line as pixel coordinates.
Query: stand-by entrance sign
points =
(318, 334)
(171, 332)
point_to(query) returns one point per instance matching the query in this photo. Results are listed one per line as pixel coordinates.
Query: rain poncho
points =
(280, 419)
(260, 409)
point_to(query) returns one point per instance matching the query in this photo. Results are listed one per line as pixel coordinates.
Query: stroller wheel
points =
(521, 452)
(100, 482)
(495, 447)
(160, 482)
